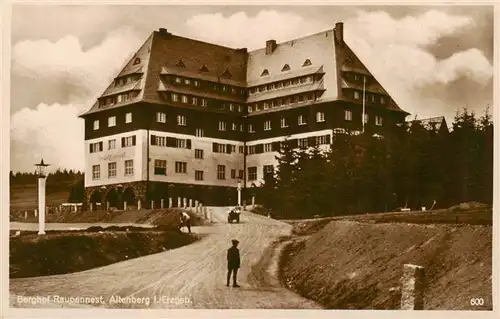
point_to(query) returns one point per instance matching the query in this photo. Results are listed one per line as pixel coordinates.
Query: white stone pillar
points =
(239, 196)
(190, 202)
(161, 203)
(107, 205)
(26, 214)
(184, 202)
(170, 202)
(179, 202)
(412, 287)
(41, 205)
(152, 204)
(253, 201)
(124, 205)
(76, 209)
(139, 204)
(196, 205)
(36, 213)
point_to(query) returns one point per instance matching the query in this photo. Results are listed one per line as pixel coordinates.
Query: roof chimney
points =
(270, 46)
(339, 32)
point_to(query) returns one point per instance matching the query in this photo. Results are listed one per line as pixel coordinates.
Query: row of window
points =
(160, 168)
(168, 141)
(112, 121)
(293, 99)
(117, 98)
(161, 117)
(194, 100)
(301, 120)
(126, 142)
(112, 169)
(217, 87)
(281, 84)
(294, 143)
(127, 79)
(369, 97)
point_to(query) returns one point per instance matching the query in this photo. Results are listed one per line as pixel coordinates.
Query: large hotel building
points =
(188, 119)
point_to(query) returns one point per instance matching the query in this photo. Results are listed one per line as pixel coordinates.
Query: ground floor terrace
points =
(153, 195)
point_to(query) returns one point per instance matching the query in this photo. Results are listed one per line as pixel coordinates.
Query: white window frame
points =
(161, 117)
(348, 115)
(320, 117)
(180, 167)
(111, 121)
(174, 97)
(204, 102)
(252, 173)
(379, 120)
(283, 122)
(301, 120)
(112, 169)
(161, 141)
(96, 125)
(96, 172)
(366, 118)
(129, 141)
(184, 99)
(221, 172)
(112, 144)
(129, 168)
(356, 95)
(198, 175)
(181, 120)
(234, 127)
(268, 147)
(267, 125)
(199, 132)
(251, 128)
(222, 125)
(128, 117)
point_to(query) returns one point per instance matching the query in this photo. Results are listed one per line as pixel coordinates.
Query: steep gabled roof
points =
(431, 122)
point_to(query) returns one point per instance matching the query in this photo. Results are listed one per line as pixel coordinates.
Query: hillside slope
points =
(352, 265)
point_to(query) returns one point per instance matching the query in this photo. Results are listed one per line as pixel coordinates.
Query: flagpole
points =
(363, 115)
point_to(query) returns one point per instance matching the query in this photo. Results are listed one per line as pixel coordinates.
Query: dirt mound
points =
(470, 206)
(351, 265)
(60, 252)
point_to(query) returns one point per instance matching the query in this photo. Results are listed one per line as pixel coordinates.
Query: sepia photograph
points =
(294, 156)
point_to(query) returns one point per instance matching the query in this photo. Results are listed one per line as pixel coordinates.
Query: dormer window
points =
(204, 68)
(286, 67)
(180, 64)
(307, 63)
(137, 61)
(265, 72)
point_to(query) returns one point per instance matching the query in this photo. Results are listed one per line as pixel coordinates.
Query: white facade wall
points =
(119, 155)
(208, 164)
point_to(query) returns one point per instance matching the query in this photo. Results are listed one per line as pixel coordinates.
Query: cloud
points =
(54, 131)
(64, 62)
(397, 52)
(241, 30)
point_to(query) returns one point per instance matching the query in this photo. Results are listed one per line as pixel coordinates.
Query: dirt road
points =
(194, 274)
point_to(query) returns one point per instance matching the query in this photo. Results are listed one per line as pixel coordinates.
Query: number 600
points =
(477, 301)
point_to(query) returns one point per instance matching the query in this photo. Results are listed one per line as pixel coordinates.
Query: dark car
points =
(234, 215)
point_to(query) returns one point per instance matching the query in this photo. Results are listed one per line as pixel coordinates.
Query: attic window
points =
(137, 61)
(286, 67)
(204, 68)
(307, 63)
(265, 72)
(227, 74)
(180, 64)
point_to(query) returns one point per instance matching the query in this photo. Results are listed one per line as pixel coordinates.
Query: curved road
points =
(195, 273)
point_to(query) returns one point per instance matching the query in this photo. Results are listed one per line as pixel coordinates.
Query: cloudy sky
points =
(432, 60)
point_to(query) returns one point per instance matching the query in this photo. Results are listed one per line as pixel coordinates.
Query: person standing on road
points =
(233, 262)
(186, 220)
